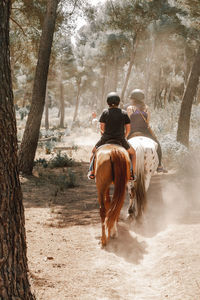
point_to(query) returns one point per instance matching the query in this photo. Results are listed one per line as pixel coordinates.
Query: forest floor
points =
(156, 260)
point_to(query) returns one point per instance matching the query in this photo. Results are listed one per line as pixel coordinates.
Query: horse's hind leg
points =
(113, 231)
(132, 202)
(103, 216)
(107, 201)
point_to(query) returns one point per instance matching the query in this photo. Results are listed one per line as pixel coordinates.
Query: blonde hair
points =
(139, 104)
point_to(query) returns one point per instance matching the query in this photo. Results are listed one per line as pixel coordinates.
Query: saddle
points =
(114, 141)
(136, 134)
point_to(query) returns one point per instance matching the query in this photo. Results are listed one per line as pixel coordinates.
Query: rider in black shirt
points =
(115, 127)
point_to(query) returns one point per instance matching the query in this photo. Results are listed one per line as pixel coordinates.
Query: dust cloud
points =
(172, 198)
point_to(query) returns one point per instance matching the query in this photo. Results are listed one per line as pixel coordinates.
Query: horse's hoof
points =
(113, 232)
(114, 235)
(131, 211)
(130, 219)
(103, 246)
(103, 243)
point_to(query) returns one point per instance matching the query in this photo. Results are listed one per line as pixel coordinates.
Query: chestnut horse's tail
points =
(121, 171)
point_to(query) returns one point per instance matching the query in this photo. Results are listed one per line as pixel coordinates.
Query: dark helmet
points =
(113, 99)
(137, 94)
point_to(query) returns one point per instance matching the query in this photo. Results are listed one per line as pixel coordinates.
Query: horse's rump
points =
(109, 160)
(112, 165)
(146, 157)
(146, 165)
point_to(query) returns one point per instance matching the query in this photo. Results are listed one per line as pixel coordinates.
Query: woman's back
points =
(138, 119)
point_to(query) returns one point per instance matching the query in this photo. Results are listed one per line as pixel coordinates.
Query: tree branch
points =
(71, 13)
(113, 8)
(18, 25)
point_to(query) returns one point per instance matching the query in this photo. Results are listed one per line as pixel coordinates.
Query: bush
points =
(72, 182)
(42, 162)
(60, 161)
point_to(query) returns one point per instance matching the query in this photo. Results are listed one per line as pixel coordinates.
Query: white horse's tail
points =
(140, 188)
(146, 164)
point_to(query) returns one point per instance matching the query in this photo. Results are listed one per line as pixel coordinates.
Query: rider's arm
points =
(102, 127)
(127, 129)
(129, 110)
(148, 114)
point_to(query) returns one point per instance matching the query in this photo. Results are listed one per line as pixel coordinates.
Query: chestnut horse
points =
(112, 165)
(146, 165)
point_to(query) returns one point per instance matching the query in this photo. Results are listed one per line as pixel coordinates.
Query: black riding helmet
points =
(113, 99)
(137, 94)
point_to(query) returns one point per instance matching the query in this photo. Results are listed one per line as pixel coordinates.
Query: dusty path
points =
(160, 259)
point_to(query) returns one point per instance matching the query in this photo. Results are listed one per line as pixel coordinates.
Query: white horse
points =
(146, 165)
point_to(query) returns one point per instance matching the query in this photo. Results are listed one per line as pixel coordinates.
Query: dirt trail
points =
(154, 261)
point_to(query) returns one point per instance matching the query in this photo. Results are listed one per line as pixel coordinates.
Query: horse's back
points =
(143, 141)
(107, 148)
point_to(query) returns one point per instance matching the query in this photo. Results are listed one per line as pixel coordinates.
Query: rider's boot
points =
(132, 162)
(91, 174)
(160, 169)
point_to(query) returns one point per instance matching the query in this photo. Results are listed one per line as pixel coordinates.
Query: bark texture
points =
(77, 99)
(31, 133)
(130, 66)
(188, 98)
(62, 105)
(47, 111)
(14, 283)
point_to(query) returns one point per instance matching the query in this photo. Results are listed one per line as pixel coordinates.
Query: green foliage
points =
(97, 58)
(61, 161)
(41, 162)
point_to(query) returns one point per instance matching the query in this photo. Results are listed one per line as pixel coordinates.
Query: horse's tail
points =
(120, 171)
(140, 189)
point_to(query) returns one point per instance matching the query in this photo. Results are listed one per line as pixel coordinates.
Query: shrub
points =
(60, 161)
(42, 162)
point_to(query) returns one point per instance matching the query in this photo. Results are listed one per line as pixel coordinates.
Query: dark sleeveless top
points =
(138, 124)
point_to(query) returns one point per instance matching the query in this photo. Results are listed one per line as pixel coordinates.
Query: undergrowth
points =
(66, 179)
(62, 181)
(59, 161)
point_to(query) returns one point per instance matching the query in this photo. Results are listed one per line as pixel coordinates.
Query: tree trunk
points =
(132, 59)
(31, 133)
(14, 283)
(157, 100)
(47, 111)
(62, 105)
(103, 89)
(77, 99)
(165, 95)
(116, 71)
(186, 106)
(198, 94)
(187, 66)
(148, 73)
